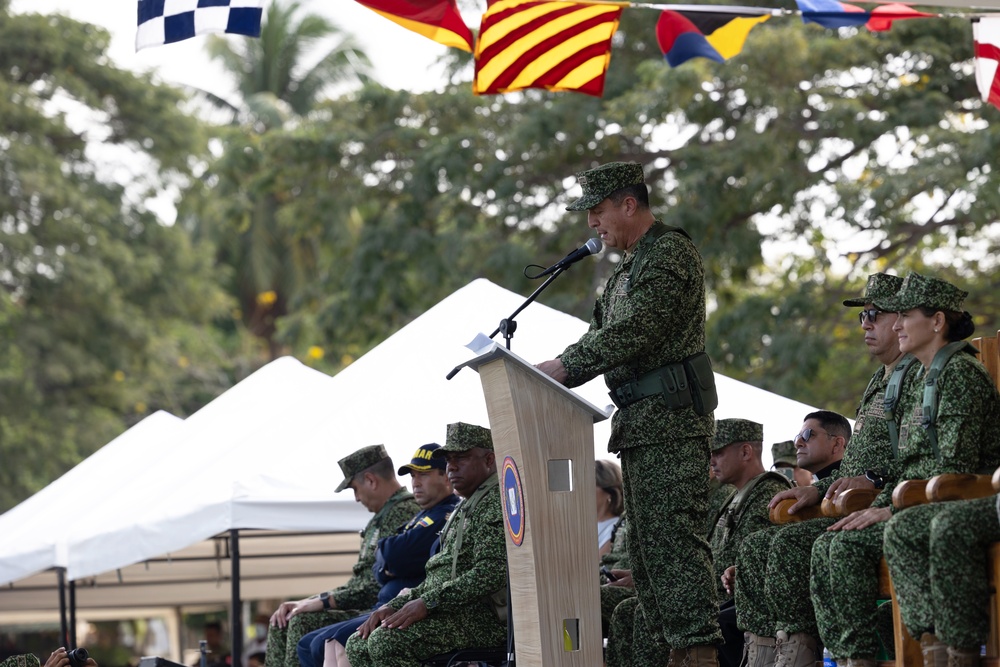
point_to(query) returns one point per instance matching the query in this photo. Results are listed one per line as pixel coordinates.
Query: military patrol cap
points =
(923, 291)
(880, 286)
(359, 461)
(599, 182)
(462, 437)
(423, 460)
(26, 660)
(784, 452)
(728, 431)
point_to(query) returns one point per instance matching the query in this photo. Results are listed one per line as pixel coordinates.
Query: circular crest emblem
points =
(513, 501)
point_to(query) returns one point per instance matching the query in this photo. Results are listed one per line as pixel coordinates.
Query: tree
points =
(864, 151)
(277, 84)
(105, 313)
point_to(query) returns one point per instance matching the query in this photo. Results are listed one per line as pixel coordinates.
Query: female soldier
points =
(963, 436)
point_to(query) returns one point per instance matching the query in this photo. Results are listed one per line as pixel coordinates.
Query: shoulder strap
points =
(891, 399)
(465, 508)
(744, 493)
(655, 232)
(930, 404)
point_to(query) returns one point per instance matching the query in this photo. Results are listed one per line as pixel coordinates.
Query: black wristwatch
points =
(875, 479)
(324, 597)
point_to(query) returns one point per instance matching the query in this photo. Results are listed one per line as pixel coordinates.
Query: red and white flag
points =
(986, 45)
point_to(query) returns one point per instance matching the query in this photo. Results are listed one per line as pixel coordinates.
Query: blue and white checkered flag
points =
(166, 21)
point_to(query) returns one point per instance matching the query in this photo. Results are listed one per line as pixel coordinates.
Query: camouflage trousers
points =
(281, 642)
(628, 647)
(611, 597)
(666, 497)
(844, 586)
(772, 579)
(938, 556)
(472, 626)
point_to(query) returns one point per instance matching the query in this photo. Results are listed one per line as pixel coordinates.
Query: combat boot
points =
(705, 655)
(963, 658)
(757, 651)
(935, 651)
(796, 650)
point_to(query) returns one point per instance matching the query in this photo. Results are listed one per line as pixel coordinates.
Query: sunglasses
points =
(870, 315)
(808, 433)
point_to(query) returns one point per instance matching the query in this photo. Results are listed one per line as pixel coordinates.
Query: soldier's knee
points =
(357, 650)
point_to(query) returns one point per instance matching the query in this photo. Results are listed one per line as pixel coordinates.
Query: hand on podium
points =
(554, 369)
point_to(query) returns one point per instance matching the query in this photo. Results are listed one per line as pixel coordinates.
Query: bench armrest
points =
(779, 513)
(959, 486)
(851, 501)
(909, 493)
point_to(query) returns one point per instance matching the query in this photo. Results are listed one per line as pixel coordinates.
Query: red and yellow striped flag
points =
(438, 20)
(540, 44)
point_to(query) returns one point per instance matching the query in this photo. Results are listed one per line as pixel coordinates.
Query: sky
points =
(403, 59)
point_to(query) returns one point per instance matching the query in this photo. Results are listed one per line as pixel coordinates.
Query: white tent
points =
(261, 458)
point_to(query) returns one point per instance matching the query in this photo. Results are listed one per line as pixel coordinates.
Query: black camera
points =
(78, 657)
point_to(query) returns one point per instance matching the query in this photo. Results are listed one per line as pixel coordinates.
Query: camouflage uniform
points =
(718, 497)
(25, 660)
(650, 315)
(465, 583)
(772, 568)
(844, 564)
(359, 593)
(744, 513)
(616, 559)
(938, 561)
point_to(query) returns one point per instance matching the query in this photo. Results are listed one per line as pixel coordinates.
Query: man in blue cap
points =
(400, 558)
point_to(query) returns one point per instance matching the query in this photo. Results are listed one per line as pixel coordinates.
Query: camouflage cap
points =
(923, 291)
(25, 660)
(423, 460)
(599, 182)
(879, 286)
(783, 453)
(462, 437)
(728, 431)
(359, 461)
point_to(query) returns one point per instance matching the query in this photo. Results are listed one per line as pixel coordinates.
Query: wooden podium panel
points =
(543, 435)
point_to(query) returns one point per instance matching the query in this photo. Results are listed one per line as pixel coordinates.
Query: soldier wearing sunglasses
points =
(773, 602)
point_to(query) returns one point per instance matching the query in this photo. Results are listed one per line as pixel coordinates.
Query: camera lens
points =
(78, 657)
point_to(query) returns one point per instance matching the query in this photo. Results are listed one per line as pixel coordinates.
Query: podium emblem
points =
(513, 501)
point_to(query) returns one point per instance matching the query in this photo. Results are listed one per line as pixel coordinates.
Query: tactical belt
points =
(686, 383)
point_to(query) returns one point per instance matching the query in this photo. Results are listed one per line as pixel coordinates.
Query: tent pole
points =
(63, 622)
(72, 613)
(235, 615)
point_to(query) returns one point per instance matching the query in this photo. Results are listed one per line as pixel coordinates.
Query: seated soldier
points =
(783, 460)
(370, 473)
(819, 448)
(735, 459)
(399, 558)
(462, 601)
(615, 577)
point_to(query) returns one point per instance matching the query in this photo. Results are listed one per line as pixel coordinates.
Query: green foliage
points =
(105, 314)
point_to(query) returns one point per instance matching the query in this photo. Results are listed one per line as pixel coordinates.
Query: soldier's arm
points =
(487, 571)
(655, 311)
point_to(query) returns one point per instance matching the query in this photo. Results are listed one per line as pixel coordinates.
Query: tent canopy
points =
(262, 458)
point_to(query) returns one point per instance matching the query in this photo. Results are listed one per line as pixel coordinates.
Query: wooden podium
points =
(543, 435)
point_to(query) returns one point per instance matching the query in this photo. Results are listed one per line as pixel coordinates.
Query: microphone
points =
(591, 247)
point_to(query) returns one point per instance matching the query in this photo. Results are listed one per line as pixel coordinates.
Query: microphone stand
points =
(507, 325)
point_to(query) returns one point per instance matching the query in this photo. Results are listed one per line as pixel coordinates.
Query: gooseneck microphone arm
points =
(508, 325)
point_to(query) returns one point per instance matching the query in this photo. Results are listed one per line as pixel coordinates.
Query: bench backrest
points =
(989, 354)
